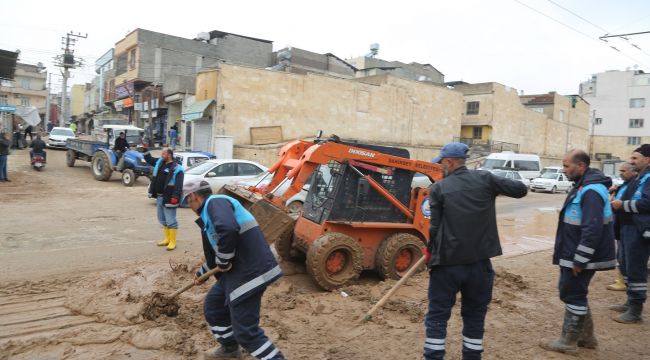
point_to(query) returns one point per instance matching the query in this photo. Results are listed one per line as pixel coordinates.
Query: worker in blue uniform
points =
(584, 244)
(234, 243)
(166, 187)
(462, 238)
(634, 210)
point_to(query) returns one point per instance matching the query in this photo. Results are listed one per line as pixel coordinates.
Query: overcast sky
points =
(513, 42)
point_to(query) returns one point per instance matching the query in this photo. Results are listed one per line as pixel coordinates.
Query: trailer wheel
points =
(396, 254)
(101, 166)
(70, 157)
(128, 177)
(334, 259)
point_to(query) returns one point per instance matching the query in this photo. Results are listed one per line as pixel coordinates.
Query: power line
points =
(580, 32)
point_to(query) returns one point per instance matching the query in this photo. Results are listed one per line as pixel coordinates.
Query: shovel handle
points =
(190, 285)
(395, 287)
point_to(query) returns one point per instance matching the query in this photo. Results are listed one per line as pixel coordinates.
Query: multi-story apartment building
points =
(619, 107)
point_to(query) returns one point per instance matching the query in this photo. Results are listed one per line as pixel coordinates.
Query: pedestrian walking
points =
(166, 187)
(584, 244)
(627, 172)
(5, 144)
(234, 243)
(173, 136)
(463, 237)
(634, 209)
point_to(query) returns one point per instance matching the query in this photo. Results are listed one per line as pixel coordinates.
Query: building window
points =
(562, 115)
(472, 108)
(641, 80)
(4, 99)
(121, 63)
(636, 123)
(24, 83)
(634, 140)
(132, 59)
(477, 132)
(637, 103)
(6, 83)
(598, 121)
(537, 109)
(24, 101)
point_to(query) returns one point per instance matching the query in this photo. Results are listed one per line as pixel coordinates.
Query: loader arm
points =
(320, 154)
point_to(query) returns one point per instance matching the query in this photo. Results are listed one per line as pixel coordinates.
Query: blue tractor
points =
(131, 164)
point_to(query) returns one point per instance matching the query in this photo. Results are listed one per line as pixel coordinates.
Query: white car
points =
(219, 172)
(512, 175)
(552, 182)
(188, 159)
(58, 137)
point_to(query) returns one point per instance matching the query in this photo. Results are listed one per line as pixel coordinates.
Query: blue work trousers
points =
(166, 215)
(637, 251)
(3, 167)
(238, 324)
(474, 282)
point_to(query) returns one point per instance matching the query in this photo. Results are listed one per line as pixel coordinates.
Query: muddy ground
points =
(79, 263)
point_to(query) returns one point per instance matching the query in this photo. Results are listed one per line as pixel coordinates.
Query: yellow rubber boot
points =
(619, 284)
(172, 239)
(166, 240)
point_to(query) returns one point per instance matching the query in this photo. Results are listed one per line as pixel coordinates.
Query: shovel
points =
(166, 304)
(392, 291)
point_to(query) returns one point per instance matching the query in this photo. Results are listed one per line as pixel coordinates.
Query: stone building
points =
(237, 101)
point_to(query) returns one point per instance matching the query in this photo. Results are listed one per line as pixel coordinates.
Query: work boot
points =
(620, 307)
(223, 352)
(619, 283)
(632, 315)
(166, 239)
(571, 329)
(587, 339)
(172, 239)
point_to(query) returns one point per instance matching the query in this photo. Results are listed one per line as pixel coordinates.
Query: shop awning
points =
(196, 110)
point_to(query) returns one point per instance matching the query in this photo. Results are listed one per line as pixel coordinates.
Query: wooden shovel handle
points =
(190, 285)
(397, 285)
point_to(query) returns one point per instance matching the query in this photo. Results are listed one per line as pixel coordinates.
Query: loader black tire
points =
(128, 177)
(334, 260)
(396, 254)
(70, 157)
(283, 246)
(101, 166)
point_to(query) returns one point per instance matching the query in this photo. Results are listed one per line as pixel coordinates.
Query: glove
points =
(426, 253)
(174, 201)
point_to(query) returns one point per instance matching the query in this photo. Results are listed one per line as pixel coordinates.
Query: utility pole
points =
(47, 101)
(67, 62)
(151, 142)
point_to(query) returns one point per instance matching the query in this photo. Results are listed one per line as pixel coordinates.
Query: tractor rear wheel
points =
(70, 157)
(128, 177)
(334, 259)
(396, 254)
(101, 166)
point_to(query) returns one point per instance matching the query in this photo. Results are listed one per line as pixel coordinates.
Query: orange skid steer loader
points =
(360, 211)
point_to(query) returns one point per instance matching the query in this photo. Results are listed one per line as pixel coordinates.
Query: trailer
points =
(104, 160)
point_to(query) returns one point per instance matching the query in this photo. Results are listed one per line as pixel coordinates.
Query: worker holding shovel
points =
(462, 239)
(233, 242)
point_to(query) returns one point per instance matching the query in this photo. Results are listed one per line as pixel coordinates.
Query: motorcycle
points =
(38, 161)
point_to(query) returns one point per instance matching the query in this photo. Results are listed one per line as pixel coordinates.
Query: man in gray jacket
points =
(462, 238)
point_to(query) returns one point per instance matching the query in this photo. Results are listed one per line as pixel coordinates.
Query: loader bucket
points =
(274, 222)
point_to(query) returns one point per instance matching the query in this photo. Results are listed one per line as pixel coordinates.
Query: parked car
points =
(512, 175)
(552, 182)
(553, 169)
(617, 181)
(219, 172)
(58, 136)
(190, 158)
(527, 165)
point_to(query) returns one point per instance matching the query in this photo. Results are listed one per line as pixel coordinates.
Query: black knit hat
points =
(643, 150)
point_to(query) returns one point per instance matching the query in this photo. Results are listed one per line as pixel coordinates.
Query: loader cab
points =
(338, 193)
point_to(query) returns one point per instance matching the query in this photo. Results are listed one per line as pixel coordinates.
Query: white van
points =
(527, 165)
